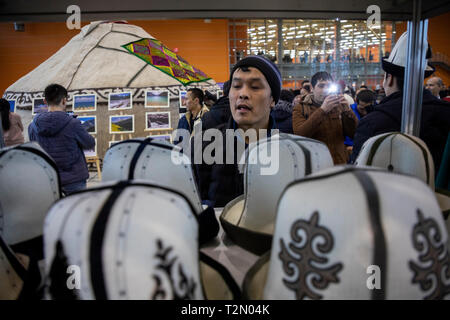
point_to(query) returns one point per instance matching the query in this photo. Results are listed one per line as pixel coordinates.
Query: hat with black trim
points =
(382, 236)
(403, 153)
(29, 185)
(129, 240)
(163, 163)
(395, 64)
(151, 159)
(249, 219)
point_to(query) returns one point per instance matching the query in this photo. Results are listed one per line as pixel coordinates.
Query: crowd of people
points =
(324, 109)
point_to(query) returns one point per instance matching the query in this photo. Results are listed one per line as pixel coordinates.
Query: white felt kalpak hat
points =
(151, 159)
(249, 219)
(129, 240)
(29, 184)
(401, 153)
(396, 62)
(355, 233)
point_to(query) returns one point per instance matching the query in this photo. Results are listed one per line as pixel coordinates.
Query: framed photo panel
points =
(89, 123)
(120, 101)
(157, 99)
(121, 124)
(12, 105)
(84, 103)
(91, 152)
(183, 96)
(157, 120)
(39, 106)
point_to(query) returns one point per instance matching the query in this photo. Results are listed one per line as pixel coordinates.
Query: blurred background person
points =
(435, 85)
(209, 99)
(11, 125)
(282, 112)
(325, 115)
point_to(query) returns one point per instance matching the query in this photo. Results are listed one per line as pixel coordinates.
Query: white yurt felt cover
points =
(129, 240)
(151, 159)
(249, 219)
(356, 233)
(29, 185)
(94, 61)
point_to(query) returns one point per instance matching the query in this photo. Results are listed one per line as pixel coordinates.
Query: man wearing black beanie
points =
(255, 89)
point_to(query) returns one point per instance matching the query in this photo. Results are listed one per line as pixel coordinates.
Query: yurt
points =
(122, 83)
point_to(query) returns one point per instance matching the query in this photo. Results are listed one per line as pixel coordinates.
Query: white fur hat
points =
(151, 159)
(130, 240)
(29, 185)
(249, 219)
(355, 233)
(396, 62)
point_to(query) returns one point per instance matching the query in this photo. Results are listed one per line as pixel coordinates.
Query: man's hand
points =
(332, 102)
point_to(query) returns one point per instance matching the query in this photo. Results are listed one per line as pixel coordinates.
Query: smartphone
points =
(333, 89)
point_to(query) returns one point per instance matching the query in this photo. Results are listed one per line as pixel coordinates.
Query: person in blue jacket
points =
(63, 138)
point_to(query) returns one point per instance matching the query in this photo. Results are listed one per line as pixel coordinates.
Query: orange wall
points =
(205, 45)
(438, 28)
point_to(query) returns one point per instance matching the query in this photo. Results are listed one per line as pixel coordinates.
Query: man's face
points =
(191, 101)
(433, 86)
(320, 90)
(250, 99)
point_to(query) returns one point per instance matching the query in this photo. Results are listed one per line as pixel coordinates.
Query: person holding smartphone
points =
(325, 115)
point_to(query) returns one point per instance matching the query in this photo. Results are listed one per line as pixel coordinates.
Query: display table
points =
(236, 259)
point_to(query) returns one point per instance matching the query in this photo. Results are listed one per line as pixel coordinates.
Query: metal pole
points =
(414, 72)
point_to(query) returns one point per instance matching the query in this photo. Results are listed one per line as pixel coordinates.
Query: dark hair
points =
(226, 88)
(197, 93)
(363, 86)
(287, 95)
(304, 81)
(4, 110)
(296, 92)
(399, 80)
(208, 95)
(321, 75)
(365, 96)
(54, 94)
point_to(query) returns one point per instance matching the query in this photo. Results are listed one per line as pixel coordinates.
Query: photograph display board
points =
(157, 120)
(120, 101)
(84, 103)
(157, 99)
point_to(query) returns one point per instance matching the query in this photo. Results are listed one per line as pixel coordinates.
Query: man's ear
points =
(272, 103)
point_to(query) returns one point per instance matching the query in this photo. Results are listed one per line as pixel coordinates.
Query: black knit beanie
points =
(267, 68)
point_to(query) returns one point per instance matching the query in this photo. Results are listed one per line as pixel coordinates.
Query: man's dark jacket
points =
(218, 114)
(63, 138)
(282, 113)
(387, 117)
(220, 183)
